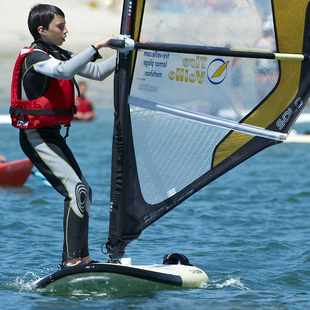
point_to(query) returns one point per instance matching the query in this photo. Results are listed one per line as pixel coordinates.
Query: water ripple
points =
(230, 282)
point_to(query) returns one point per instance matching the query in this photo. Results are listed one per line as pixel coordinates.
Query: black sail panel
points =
(127, 205)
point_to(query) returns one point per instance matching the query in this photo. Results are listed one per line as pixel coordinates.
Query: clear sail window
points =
(222, 87)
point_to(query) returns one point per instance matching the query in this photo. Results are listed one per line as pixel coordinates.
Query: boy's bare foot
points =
(72, 262)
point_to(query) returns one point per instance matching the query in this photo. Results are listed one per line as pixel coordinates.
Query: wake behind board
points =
(120, 276)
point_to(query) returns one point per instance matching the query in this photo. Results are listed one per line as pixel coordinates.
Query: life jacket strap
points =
(54, 112)
(67, 131)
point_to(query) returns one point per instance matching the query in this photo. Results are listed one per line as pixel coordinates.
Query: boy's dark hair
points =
(42, 15)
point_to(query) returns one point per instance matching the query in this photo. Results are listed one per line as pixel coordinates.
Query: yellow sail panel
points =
(290, 18)
(138, 17)
(290, 39)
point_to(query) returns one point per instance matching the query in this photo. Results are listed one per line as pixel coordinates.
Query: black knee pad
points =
(83, 197)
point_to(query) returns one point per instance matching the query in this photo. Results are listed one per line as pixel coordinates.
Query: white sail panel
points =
(220, 22)
(220, 86)
(171, 152)
(235, 24)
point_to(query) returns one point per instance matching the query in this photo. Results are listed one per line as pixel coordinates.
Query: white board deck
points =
(191, 276)
(101, 276)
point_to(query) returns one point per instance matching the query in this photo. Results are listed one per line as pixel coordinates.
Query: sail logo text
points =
(217, 71)
(284, 119)
(192, 70)
(155, 63)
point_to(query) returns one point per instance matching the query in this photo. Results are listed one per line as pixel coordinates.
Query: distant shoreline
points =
(86, 25)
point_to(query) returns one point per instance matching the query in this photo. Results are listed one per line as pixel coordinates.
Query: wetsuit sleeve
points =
(98, 71)
(66, 70)
(79, 64)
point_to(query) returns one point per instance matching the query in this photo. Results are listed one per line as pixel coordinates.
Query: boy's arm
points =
(66, 70)
(98, 71)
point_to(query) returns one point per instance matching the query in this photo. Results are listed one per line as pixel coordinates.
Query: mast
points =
(123, 175)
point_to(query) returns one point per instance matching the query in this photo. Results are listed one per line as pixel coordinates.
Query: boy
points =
(42, 100)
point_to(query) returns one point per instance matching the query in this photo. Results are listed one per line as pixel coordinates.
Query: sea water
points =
(249, 230)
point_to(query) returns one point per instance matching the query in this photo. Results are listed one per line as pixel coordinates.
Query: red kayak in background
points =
(15, 173)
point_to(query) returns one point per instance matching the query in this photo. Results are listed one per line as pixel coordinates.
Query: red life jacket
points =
(55, 107)
(83, 105)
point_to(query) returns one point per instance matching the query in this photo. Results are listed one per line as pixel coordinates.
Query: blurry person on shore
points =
(112, 4)
(42, 101)
(84, 107)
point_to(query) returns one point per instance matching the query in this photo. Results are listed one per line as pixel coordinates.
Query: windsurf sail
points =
(208, 85)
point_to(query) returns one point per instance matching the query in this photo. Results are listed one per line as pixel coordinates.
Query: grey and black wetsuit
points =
(47, 148)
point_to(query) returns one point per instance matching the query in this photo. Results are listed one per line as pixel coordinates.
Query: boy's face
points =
(56, 32)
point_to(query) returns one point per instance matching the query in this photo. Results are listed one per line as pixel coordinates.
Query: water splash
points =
(231, 282)
(26, 283)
